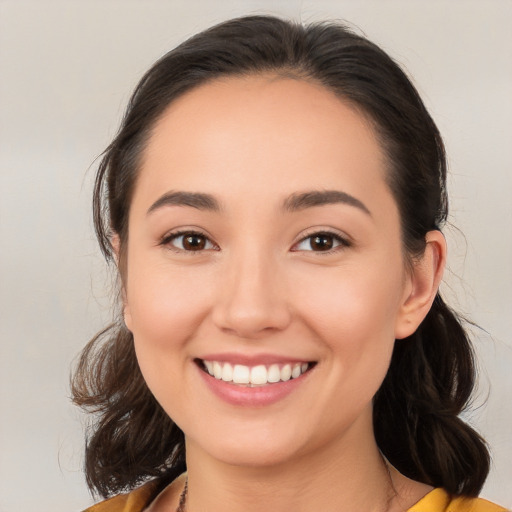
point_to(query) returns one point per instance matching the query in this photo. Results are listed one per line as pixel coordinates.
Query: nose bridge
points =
(253, 298)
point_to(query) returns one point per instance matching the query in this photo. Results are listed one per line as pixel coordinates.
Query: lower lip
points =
(258, 396)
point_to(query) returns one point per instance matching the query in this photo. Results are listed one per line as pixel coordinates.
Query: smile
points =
(252, 376)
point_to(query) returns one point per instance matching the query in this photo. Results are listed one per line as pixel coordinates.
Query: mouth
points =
(254, 376)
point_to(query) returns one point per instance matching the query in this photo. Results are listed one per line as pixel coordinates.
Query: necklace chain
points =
(183, 498)
(184, 492)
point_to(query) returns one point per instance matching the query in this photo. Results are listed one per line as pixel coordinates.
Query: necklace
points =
(184, 493)
(183, 498)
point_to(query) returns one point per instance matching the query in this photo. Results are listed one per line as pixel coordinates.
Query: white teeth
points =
(241, 374)
(217, 370)
(286, 372)
(274, 374)
(227, 373)
(259, 375)
(256, 375)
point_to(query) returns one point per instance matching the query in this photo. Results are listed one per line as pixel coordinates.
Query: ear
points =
(115, 242)
(116, 246)
(422, 285)
(126, 313)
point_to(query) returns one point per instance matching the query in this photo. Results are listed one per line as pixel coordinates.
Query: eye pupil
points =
(194, 242)
(322, 242)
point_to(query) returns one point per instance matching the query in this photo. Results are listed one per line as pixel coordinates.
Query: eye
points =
(321, 242)
(189, 241)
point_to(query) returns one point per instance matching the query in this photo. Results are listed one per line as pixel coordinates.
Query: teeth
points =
(296, 371)
(274, 374)
(241, 374)
(217, 370)
(227, 373)
(209, 367)
(286, 372)
(259, 375)
(255, 375)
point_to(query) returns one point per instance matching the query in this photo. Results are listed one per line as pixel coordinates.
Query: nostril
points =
(251, 321)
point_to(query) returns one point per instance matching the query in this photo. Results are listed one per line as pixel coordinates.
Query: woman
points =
(273, 202)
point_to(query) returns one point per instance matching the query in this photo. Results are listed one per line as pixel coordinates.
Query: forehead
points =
(266, 133)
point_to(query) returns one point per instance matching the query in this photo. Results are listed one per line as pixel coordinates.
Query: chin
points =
(254, 458)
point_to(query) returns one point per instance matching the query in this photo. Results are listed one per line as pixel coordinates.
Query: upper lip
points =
(253, 359)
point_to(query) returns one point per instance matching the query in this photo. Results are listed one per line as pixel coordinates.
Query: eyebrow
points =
(293, 203)
(305, 200)
(193, 199)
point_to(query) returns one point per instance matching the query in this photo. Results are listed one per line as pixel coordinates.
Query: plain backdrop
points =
(66, 71)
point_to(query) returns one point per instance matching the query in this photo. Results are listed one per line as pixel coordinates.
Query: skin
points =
(258, 287)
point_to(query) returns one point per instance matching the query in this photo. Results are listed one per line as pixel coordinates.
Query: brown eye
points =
(321, 242)
(194, 242)
(188, 241)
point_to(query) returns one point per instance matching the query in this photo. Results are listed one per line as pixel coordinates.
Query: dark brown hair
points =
(431, 376)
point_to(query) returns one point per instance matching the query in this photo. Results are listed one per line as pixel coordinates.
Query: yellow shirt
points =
(437, 500)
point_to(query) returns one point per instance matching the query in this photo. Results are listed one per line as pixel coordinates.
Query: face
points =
(265, 279)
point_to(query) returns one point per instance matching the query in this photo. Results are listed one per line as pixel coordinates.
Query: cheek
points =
(164, 306)
(166, 309)
(354, 313)
(356, 299)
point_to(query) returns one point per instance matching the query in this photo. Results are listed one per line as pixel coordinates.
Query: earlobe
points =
(423, 284)
(127, 315)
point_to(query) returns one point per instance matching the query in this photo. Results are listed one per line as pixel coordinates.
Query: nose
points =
(252, 300)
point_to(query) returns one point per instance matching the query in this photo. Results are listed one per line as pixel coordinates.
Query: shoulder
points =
(439, 500)
(134, 501)
(474, 505)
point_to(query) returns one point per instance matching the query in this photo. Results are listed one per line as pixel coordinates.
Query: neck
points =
(351, 471)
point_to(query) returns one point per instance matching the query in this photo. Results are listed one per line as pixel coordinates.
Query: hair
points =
(432, 372)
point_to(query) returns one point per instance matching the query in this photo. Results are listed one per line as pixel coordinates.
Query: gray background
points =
(66, 71)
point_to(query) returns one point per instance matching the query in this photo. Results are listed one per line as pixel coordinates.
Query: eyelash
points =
(167, 240)
(343, 243)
